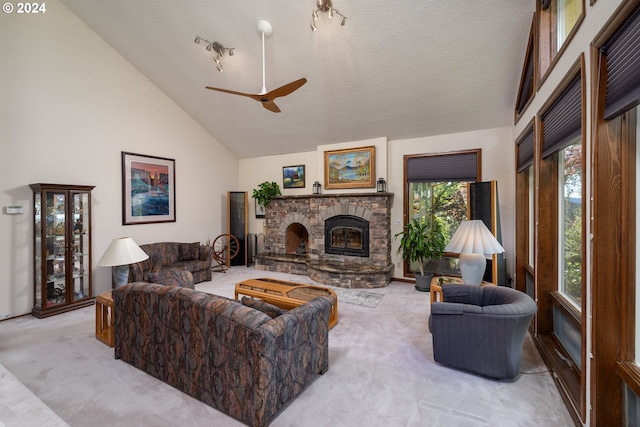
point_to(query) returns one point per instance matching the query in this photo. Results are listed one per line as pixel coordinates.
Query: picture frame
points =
(148, 189)
(260, 212)
(293, 176)
(350, 168)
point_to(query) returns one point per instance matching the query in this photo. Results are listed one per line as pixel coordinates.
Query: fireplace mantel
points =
(336, 195)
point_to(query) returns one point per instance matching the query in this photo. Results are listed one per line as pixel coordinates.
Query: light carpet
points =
(381, 373)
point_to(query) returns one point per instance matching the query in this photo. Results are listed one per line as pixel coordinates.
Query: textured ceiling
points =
(399, 70)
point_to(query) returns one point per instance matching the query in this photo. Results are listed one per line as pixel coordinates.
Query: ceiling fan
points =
(266, 98)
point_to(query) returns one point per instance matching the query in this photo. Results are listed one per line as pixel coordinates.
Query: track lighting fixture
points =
(217, 47)
(325, 6)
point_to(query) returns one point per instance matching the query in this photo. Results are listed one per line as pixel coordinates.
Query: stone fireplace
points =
(340, 240)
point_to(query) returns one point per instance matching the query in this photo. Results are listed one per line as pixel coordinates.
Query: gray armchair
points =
(481, 329)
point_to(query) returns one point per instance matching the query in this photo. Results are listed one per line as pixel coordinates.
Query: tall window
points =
(559, 267)
(568, 12)
(615, 306)
(570, 222)
(558, 21)
(531, 226)
(437, 191)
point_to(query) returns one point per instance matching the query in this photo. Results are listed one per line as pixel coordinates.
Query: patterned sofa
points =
(232, 357)
(192, 257)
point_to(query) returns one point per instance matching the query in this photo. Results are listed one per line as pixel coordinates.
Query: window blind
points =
(525, 150)
(622, 53)
(562, 122)
(446, 167)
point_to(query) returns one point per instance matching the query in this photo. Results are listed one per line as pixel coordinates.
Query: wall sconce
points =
(381, 185)
(325, 6)
(316, 187)
(216, 47)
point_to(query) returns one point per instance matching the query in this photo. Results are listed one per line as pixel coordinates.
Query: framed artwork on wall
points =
(293, 177)
(259, 209)
(148, 189)
(350, 168)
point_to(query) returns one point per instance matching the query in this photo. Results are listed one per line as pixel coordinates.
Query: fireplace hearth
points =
(340, 240)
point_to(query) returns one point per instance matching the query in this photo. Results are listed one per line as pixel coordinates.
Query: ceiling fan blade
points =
(271, 106)
(233, 92)
(286, 89)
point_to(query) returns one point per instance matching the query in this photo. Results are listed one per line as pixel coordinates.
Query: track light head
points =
(216, 47)
(325, 6)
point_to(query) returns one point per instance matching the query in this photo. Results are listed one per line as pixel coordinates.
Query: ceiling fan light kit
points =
(327, 7)
(266, 98)
(216, 47)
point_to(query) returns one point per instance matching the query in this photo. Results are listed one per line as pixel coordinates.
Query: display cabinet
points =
(62, 248)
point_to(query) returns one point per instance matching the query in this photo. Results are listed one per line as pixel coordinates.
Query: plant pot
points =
(423, 282)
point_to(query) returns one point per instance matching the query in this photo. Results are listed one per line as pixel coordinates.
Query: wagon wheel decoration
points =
(225, 248)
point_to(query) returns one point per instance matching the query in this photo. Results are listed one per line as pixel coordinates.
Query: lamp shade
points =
(473, 237)
(122, 251)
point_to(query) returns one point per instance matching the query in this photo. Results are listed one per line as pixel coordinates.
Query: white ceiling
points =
(399, 70)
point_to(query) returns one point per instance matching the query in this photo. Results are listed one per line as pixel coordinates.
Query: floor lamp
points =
(120, 253)
(473, 241)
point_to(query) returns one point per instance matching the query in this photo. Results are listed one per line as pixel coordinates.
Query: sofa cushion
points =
(189, 251)
(268, 309)
(172, 277)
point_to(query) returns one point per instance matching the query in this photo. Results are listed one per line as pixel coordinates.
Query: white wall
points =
(69, 105)
(498, 163)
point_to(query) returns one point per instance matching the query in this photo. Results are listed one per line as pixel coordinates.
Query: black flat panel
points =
(483, 205)
(237, 205)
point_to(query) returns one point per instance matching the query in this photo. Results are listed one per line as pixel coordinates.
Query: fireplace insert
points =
(346, 235)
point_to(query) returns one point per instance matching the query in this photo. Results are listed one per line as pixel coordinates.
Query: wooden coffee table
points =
(285, 294)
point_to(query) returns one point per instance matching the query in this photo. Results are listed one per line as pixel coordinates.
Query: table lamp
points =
(473, 241)
(120, 253)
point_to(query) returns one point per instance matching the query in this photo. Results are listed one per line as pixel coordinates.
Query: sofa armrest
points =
(454, 308)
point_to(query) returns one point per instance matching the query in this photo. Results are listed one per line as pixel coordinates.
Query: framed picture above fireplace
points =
(350, 168)
(293, 177)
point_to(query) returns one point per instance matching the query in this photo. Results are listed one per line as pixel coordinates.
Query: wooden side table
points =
(435, 291)
(104, 318)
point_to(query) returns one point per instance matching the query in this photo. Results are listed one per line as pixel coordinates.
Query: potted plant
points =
(265, 192)
(420, 242)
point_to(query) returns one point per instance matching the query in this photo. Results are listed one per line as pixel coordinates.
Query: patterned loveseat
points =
(232, 357)
(192, 257)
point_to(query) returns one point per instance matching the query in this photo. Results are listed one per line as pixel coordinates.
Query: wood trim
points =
(572, 381)
(614, 252)
(530, 55)
(630, 374)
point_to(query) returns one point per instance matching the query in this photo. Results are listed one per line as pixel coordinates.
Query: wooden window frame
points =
(614, 247)
(547, 33)
(571, 381)
(406, 270)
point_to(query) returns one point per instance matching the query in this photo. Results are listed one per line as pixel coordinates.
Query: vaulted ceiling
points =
(399, 70)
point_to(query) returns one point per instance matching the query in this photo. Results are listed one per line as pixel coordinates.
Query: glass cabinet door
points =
(56, 247)
(81, 245)
(38, 251)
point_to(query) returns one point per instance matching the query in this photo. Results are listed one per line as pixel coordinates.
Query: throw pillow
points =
(189, 251)
(268, 309)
